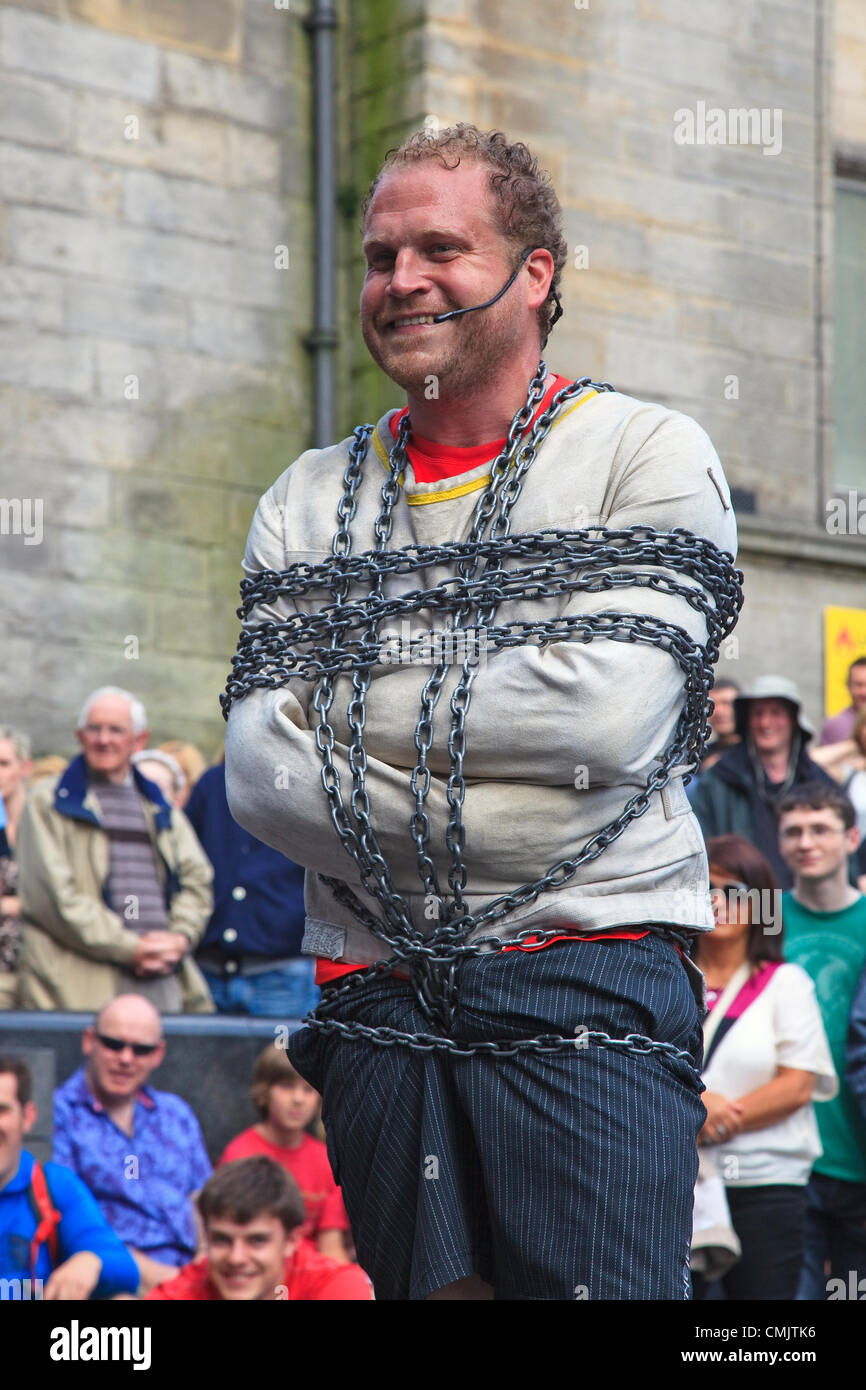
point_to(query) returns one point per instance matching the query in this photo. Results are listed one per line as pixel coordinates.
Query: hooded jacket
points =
(72, 942)
(735, 798)
(557, 737)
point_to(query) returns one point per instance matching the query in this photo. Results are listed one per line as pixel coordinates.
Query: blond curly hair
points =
(529, 211)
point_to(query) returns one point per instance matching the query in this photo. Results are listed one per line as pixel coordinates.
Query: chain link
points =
(635, 1043)
(344, 637)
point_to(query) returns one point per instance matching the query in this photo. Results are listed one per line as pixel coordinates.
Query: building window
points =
(850, 334)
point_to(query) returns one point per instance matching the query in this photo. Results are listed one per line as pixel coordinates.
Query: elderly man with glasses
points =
(140, 1151)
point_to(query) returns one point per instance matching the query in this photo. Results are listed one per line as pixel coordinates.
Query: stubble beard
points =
(475, 357)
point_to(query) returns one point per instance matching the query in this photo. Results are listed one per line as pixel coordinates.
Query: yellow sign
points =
(844, 641)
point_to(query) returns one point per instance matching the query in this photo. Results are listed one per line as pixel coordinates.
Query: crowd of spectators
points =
(123, 869)
(129, 1205)
(785, 1035)
(127, 892)
(119, 902)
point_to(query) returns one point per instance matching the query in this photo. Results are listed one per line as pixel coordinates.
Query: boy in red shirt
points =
(286, 1104)
(253, 1214)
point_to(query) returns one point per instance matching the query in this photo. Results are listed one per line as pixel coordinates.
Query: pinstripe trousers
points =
(568, 1175)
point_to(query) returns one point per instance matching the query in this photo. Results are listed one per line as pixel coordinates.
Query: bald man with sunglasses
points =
(139, 1150)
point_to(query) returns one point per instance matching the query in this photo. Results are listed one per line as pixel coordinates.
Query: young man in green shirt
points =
(825, 933)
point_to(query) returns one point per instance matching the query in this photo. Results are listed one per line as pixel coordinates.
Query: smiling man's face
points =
(108, 738)
(815, 843)
(432, 244)
(857, 686)
(114, 1072)
(771, 725)
(247, 1261)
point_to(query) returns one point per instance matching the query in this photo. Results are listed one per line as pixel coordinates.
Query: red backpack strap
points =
(47, 1218)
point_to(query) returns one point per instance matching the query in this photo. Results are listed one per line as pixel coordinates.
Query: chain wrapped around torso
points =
(343, 637)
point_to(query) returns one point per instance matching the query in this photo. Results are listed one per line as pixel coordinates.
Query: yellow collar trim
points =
(446, 494)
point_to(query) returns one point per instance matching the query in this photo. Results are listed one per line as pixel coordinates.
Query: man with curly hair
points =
(474, 1161)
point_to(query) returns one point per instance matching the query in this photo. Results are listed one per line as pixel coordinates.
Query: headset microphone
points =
(454, 313)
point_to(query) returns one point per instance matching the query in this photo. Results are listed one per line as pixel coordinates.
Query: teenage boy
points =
(253, 1213)
(287, 1104)
(825, 933)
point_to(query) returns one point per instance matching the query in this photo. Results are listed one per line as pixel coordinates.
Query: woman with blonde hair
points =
(165, 770)
(192, 761)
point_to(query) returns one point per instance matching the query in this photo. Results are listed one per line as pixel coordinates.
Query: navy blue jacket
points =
(258, 892)
(731, 800)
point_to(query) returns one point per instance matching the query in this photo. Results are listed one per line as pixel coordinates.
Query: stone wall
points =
(384, 53)
(153, 376)
(849, 85)
(701, 273)
(691, 264)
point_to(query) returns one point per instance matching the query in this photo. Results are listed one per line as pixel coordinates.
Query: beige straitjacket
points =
(557, 738)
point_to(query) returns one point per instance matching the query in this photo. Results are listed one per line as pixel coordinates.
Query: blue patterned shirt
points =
(141, 1181)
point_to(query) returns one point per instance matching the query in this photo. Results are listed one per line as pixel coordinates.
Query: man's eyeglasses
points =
(118, 1044)
(819, 832)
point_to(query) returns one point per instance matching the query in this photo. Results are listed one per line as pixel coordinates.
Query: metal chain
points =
(545, 1042)
(343, 636)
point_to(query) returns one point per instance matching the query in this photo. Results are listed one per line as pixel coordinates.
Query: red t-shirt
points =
(311, 1170)
(309, 1277)
(432, 462)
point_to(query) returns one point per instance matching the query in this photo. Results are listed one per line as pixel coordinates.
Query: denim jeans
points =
(835, 1232)
(287, 991)
(770, 1223)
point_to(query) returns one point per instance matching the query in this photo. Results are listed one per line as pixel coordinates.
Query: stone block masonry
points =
(157, 265)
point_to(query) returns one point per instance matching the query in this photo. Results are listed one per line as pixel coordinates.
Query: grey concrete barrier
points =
(209, 1062)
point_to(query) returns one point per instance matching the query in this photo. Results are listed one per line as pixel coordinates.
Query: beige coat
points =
(71, 940)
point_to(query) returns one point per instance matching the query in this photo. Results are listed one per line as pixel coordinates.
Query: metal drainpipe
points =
(322, 341)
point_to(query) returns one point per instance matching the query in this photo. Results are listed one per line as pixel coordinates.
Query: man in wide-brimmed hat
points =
(739, 795)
